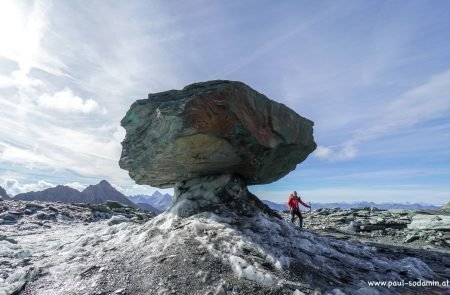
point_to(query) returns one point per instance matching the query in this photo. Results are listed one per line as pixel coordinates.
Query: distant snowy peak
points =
(3, 193)
(158, 200)
(148, 207)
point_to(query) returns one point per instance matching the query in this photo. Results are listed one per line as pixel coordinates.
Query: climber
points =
(293, 201)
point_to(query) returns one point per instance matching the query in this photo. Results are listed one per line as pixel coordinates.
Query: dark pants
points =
(299, 214)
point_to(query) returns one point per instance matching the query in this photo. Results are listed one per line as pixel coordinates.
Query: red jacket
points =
(293, 202)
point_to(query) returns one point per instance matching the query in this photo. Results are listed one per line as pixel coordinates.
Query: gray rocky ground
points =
(420, 229)
(207, 243)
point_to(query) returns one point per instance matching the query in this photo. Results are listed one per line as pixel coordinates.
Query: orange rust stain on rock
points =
(219, 113)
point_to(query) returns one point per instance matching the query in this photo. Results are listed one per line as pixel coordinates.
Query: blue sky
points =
(374, 76)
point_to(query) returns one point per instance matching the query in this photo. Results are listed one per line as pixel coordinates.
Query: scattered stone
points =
(116, 219)
(401, 227)
(5, 238)
(38, 213)
(430, 222)
(411, 237)
(114, 204)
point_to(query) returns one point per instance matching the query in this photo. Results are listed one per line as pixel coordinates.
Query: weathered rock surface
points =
(428, 229)
(430, 222)
(209, 128)
(37, 213)
(209, 242)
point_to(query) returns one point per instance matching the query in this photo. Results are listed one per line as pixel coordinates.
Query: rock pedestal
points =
(213, 128)
(220, 194)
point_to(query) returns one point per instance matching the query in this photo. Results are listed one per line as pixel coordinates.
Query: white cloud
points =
(38, 130)
(14, 187)
(118, 187)
(25, 157)
(428, 101)
(76, 185)
(135, 189)
(67, 102)
(347, 152)
(22, 29)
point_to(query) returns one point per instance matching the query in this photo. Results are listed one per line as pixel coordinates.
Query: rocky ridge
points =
(425, 229)
(93, 194)
(158, 200)
(3, 193)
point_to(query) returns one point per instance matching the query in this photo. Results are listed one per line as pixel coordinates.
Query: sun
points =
(21, 30)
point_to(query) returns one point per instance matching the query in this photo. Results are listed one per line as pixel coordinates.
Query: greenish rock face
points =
(213, 128)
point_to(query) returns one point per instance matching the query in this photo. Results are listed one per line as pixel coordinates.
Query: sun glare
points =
(20, 32)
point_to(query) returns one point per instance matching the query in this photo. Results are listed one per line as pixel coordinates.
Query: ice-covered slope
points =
(216, 238)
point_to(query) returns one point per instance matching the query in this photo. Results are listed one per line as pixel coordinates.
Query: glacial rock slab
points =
(209, 128)
(430, 222)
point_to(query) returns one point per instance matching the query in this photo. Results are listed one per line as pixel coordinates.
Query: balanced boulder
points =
(213, 128)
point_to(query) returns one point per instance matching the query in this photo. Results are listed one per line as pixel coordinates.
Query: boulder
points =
(114, 204)
(211, 128)
(116, 219)
(430, 222)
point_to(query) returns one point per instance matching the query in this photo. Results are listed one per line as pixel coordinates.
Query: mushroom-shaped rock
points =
(212, 128)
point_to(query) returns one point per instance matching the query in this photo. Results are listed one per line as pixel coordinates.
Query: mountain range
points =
(382, 206)
(149, 207)
(158, 200)
(95, 194)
